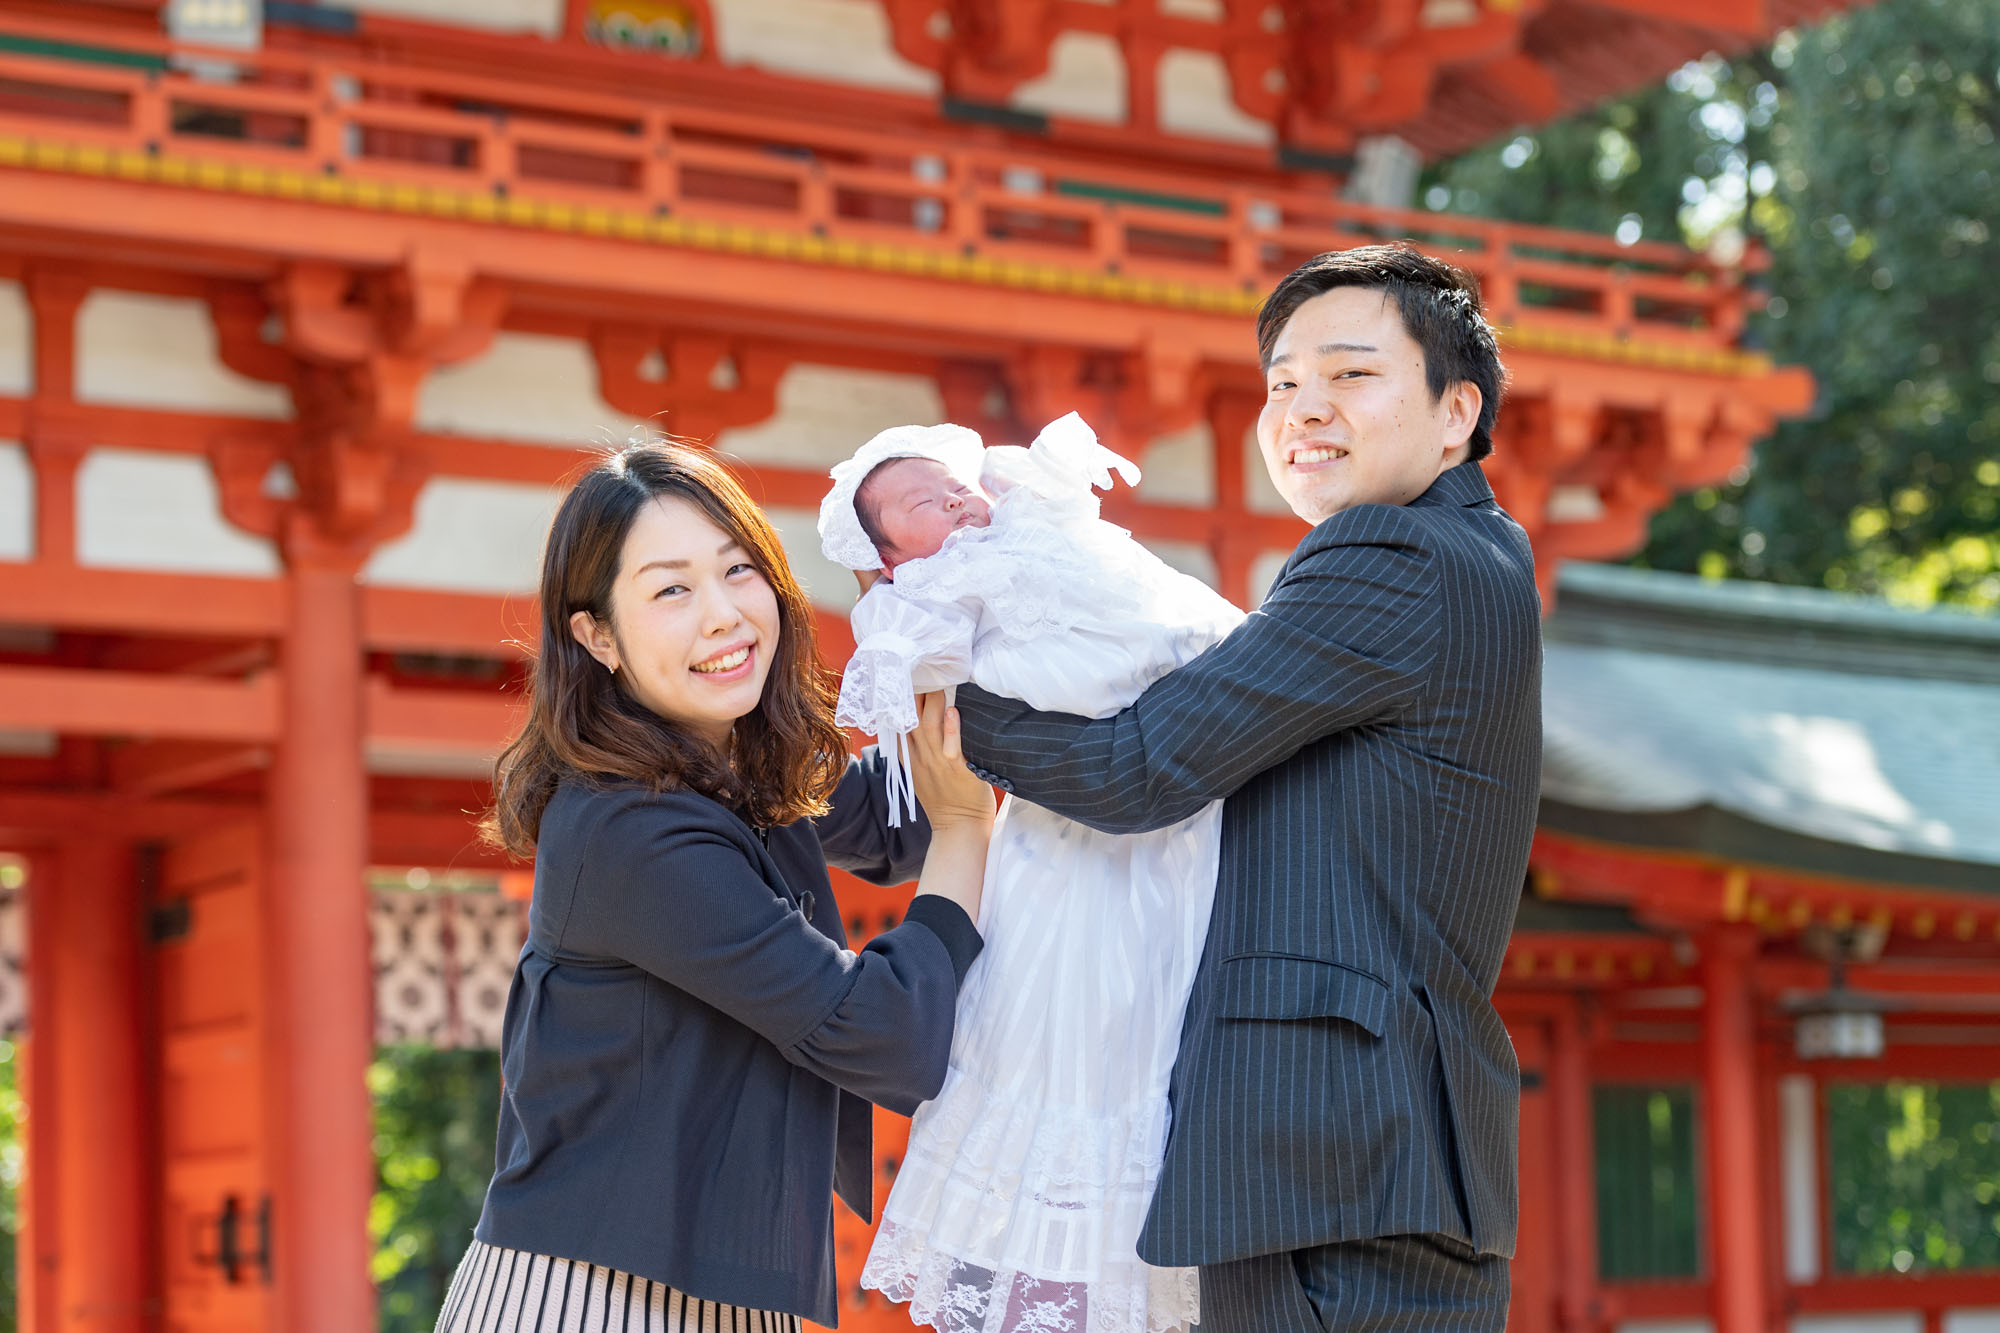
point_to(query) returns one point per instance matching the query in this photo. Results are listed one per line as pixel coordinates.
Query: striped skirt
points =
(513, 1291)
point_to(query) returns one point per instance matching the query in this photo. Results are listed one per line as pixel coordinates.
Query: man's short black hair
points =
(1440, 305)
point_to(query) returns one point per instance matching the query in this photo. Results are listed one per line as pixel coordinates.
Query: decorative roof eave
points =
(1786, 727)
(1798, 867)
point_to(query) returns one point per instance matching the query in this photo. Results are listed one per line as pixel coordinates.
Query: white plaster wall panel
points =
(159, 351)
(1179, 469)
(1972, 1321)
(136, 509)
(405, 762)
(17, 340)
(1798, 1119)
(1263, 573)
(470, 536)
(1448, 13)
(17, 503)
(1259, 494)
(829, 586)
(825, 413)
(539, 16)
(1900, 1322)
(529, 387)
(840, 41)
(1194, 100)
(1574, 504)
(1085, 80)
(1190, 558)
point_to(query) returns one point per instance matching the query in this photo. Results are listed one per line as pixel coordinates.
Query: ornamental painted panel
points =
(412, 995)
(13, 963)
(443, 963)
(486, 936)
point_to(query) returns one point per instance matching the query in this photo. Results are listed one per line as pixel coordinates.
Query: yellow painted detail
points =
(1735, 893)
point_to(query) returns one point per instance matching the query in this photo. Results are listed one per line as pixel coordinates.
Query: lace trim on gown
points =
(1016, 1224)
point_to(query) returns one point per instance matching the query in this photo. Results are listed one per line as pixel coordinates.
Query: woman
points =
(688, 1044)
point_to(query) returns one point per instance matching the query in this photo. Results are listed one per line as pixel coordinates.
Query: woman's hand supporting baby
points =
(958, 804)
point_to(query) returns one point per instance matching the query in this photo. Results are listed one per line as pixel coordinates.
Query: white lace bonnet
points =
(840, 532)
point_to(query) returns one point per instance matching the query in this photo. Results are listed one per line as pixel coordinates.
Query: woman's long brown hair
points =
(584, 724)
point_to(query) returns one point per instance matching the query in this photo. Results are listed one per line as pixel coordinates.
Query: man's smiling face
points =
(1348, 417)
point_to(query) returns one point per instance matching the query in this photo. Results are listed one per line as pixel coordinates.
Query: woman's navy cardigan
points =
(689, 1042)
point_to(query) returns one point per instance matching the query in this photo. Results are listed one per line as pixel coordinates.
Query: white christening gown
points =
(1018, 1206)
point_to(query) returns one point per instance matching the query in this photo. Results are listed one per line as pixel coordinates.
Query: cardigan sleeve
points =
(854, 833)
(671, 888)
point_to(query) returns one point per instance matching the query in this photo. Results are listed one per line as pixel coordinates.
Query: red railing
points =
(487, 149)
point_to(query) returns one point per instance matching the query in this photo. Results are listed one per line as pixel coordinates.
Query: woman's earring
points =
(612, 667)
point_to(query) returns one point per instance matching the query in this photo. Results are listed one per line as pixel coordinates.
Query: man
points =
(1346, 1099)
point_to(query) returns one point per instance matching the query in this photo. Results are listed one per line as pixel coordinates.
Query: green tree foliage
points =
(1916, 1185)
(435, 1113)
(1648, 1202)
(1862, 153)
(12, 1112)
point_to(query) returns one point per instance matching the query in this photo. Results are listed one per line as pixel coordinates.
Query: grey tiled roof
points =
(1863, 739)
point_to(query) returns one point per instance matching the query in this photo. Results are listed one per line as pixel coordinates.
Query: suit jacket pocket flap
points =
(1280, 987)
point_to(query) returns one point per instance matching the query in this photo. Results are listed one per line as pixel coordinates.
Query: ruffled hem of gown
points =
(1009, 1216)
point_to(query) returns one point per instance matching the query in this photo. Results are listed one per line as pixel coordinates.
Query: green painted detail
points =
(1213, 208)
(77, 51)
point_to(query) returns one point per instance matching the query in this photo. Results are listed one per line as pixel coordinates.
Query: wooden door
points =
(212, 1053)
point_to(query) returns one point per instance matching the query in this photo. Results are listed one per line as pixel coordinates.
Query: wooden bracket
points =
(1129, 399)
(693, 385)
(982, 49)
(354, 349)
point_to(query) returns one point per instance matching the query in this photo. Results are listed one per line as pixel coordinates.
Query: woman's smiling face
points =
(694, 623)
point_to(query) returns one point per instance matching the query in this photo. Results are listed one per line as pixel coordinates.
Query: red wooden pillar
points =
(322, 1002)
(360, 347)
(104, 1282)
(1229, 418)
(1735, 1172)
(86, 1257)
(1575, 1169)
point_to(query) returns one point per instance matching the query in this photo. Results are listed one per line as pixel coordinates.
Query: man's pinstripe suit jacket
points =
(1376, 729)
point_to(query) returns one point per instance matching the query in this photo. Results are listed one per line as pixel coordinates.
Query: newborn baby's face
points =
(916, 504)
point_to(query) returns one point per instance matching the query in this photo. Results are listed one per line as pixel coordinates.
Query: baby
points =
(1019, 1202)
(908, 506)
